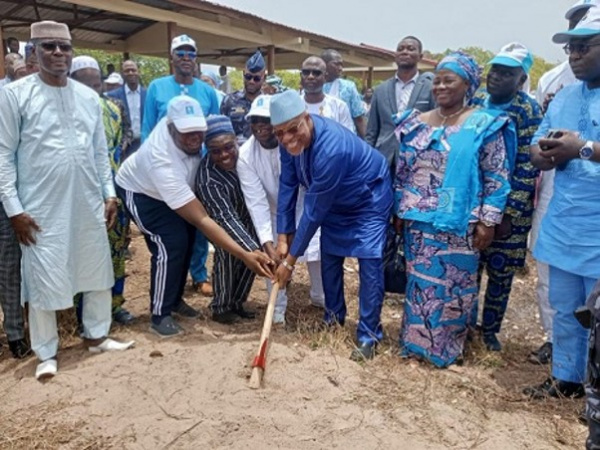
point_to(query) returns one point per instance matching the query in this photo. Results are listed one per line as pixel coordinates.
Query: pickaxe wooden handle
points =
(260, 360)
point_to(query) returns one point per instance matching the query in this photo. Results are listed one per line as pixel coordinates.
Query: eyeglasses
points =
(186, 54)
(255, 78)
(314, 72)
(261, 128)
(580, 48)
(50, 46)
(228, 148)
(292, 129)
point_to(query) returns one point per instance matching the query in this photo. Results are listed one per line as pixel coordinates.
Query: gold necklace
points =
(450, 116)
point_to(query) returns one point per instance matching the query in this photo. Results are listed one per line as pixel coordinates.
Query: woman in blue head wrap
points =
(451, 186)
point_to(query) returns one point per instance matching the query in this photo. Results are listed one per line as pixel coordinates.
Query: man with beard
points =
(312, 79)
(506, 254)
(568, 141)
(218, 188)
(343, 89)
(160, 92)
(237, 104)
(57, 189)
(132, 96)
(406, 90)
(259, 167)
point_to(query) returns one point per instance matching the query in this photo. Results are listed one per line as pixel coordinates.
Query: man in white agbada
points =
(548, 85)
(57, 189)
(312, 79)
(258, 169)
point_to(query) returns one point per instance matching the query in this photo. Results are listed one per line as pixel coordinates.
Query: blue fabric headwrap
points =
(217, 125)
(213, 76)
(256, 62)
(465, 67)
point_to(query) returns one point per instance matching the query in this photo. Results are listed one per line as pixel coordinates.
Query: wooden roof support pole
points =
(370, 78)
(171, 34)
(2, 54)
(271, 59)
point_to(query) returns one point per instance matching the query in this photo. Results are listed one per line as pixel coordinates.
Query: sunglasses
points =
(581, 49)
(292, 129)
(228, 148)
(51, 46)
(255, 78)
(186, 54)
(314, 72)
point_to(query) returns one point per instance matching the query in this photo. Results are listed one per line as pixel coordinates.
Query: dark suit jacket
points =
(120, 94)
(380, 127)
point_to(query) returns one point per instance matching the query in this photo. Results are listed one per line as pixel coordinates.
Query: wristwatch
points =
(587, 151)
(287, 265)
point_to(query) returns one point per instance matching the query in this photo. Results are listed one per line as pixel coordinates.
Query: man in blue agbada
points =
(348, 195)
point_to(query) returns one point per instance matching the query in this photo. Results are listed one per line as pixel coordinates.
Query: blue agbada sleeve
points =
(288, 194)
(327, 174)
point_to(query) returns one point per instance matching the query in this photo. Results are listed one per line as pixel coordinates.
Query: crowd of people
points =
(467, 176)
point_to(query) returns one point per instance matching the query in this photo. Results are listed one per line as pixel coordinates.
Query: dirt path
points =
(191, 392)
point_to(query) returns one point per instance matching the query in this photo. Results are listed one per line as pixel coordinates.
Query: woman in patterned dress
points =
(451, 186)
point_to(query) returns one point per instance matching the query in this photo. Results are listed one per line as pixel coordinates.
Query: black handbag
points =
(394, 267)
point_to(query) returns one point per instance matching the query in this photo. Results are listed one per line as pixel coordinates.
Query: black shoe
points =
(185, 310)
(227, 317)
(245, 313)
(542, 355)
(491, 342)
(122, 316)
(555, 388)
(19, 348)
(364, 352)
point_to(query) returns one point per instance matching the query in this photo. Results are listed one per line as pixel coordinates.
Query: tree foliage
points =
(290, 79)
(150, 67)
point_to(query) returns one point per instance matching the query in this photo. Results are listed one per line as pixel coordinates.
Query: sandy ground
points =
(190, 392)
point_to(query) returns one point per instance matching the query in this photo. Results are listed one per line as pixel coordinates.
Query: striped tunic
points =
(221, 194)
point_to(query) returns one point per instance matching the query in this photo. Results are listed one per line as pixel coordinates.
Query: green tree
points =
(289, 78)
(150, 67)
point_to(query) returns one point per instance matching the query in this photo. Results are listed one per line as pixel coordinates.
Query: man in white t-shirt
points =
(312, 79)
(258, 168)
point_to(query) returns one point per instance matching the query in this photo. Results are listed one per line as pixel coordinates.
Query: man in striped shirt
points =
(219, 190)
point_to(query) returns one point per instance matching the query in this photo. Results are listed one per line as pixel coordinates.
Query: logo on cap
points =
(189, 110)
(260, 102)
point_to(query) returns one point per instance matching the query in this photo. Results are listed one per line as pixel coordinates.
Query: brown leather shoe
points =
(204, 287)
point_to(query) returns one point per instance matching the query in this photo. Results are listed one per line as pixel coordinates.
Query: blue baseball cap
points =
(514, 55)
(588, 26)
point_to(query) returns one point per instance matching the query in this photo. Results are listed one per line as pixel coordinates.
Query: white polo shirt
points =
(160, 170)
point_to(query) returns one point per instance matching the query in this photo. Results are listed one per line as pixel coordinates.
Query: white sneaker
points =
(279, 318)
(46, 369)
(110, 345)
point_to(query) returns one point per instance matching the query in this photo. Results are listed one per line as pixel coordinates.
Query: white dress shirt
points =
(134, 103)
(258, 169)
(404, 91)
(333, 108)
(160, 170)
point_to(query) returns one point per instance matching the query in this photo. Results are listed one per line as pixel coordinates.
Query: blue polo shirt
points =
(162, 90)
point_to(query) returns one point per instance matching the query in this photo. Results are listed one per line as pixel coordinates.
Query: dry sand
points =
(190, 392)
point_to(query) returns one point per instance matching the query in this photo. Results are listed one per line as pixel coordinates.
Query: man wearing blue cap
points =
(219, 190)
(348, 195)
(237, 104)
(568, 140)
(509, 71)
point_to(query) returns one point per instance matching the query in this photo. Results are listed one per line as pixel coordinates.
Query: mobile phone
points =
(552, 134)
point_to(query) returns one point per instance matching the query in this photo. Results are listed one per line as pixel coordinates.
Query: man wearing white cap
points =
(509, 71)
(113, 81)
(348, 195)
(568, 140)
(156, 183)
(259, 167)
(160, 92)
(550, 83)
(57, 189)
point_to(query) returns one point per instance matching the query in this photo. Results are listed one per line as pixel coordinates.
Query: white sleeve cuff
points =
(13, 207)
